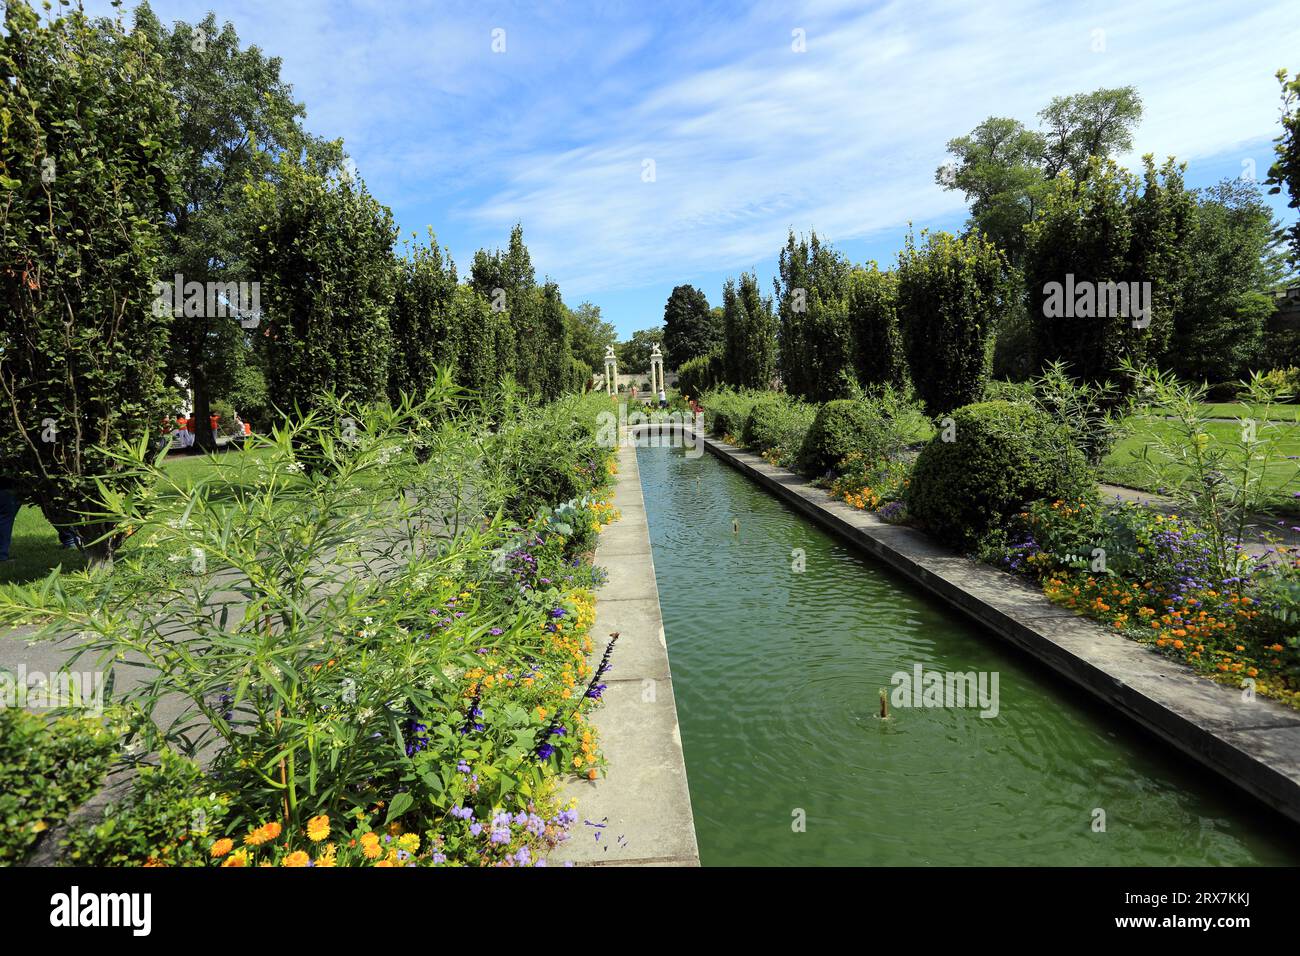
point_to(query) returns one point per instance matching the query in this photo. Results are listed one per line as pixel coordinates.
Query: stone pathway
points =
(640, 814)
(1277, 530)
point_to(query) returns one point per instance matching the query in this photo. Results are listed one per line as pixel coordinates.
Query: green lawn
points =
(1277, 413)
(1121, 469)
(35, 550)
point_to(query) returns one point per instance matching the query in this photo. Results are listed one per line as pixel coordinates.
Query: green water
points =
(777, 677)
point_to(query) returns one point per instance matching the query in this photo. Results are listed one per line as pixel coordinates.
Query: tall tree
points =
(1104, 251)
(420, 322)
(1285, 172)
(1226, 298)
(85, 177)
(1006, 169)
(951, 292)
(1086, 125)
(553, 354)
(236, 114)
(590, 335)
(749, 333)
(634, 354)
(814, 340)
(690, 329)
(505, 278)
(873, 317)
(324, 249)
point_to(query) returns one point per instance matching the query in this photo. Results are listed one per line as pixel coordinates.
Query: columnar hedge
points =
(1091, 236)
(749, 331)
(951, 293)
(323, 248)
(873, 318)
(85, 175)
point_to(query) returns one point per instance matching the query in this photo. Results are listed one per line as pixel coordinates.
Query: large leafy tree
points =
(85, 177)
(1226, 299)
(815, 342)
(323, 247)
(749, 334)
(690, 328)
(1112, 227)
(236, 114)
(590, 335)
(634, 354)
(951, 293)
(1285, 172)
(1005, 169)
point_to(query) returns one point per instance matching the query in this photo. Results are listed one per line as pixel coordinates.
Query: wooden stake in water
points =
(884, 705)
(735, 526)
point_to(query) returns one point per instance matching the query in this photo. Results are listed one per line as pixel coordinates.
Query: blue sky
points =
(748, 136)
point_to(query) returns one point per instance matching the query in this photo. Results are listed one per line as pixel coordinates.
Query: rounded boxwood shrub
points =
(841, 426)
(1001, 455)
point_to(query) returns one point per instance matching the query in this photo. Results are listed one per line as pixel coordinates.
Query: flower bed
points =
(417, 699)
(1152, 578)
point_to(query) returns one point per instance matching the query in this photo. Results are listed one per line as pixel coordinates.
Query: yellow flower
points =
(222, 847)
(296, 858)
(370, 846)
(238, 858)
(318, 828)
(410, 842)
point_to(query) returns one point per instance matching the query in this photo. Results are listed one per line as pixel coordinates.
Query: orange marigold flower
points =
(222, 847)
(296, 858)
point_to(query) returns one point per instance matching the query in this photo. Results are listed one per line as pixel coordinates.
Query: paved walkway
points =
(1262, 533)
(640, 814)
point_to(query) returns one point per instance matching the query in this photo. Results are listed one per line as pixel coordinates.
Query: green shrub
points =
(951, 295)
(778, 424)
(1285, 382)
(878, 427)
(170, 816)
(726, 410)
(987, 461)
(700, 374)
(47, 770)
(1002, 390)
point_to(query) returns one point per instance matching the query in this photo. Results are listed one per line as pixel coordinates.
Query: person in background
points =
(213, 419)
(663, 398)
(9, 505)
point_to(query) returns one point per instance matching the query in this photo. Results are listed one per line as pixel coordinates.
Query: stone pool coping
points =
(639, 814)
(1253, 744)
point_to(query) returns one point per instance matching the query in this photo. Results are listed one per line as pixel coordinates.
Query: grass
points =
(1120, 467)
(1275, 413)
(35, 550)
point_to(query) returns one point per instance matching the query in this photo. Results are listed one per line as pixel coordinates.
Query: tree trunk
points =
(99, 553)
(203, 440)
